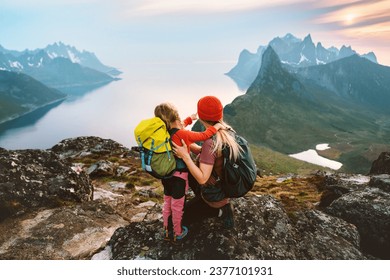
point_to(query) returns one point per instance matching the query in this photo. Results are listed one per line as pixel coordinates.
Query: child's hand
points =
(218, 126)
(194, 117)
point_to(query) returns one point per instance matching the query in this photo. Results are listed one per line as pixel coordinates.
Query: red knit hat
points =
(210, 109)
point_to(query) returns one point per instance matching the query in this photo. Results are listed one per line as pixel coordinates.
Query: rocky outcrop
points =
(382, 164)
(263, 231)
(101, 168)
(381, 182)
(334, 186)
(51, 192)
(88, 146)
(369, 210)
(69, 232)
(102, 150)
(30, 179)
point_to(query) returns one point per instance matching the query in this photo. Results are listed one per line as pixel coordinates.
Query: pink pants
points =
(174, 199)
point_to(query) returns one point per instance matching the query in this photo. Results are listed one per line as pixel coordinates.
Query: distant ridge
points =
(344, 103)
(59, 66)
(293, 52)
(31, 79)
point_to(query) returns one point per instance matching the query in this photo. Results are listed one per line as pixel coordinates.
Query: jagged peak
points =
(291, 37)
(261, 49)
(55, 44)
(270, 57)
(308, 38)
(344, 47)
(245, 51)
(370, 56)
(61, 45)
(270, 64)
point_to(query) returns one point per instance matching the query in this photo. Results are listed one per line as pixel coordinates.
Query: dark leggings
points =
(196, 210)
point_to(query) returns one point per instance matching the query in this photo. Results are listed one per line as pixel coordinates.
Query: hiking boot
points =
(182, 235)
(228, 216)
(167, 234)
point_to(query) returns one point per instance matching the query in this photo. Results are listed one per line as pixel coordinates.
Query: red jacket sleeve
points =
(193, 136)
(187, 121)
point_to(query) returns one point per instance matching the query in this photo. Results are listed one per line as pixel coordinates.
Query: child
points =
(175, 187)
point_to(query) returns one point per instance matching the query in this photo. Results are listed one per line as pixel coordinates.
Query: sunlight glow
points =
(349, 19)
(364, 13)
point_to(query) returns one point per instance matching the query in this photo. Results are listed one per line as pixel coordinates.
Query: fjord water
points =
(113, 111)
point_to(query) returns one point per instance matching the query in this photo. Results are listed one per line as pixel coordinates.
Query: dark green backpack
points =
(238, 176)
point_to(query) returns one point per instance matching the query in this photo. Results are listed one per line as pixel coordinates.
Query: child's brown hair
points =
(167, 112)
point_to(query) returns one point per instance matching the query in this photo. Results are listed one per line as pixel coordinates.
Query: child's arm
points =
(201, 136)
(189, 120)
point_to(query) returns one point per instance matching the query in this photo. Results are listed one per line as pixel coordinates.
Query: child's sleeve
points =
(187, 121)
(193, 136)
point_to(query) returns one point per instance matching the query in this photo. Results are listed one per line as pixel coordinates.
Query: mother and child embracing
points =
(197, 167)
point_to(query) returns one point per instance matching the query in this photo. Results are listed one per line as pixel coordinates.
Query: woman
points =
(210, 199)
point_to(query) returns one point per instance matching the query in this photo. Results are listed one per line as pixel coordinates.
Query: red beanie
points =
(210, 109)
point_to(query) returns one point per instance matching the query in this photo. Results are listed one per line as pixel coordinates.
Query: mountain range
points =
(31, 79)
(59, 49)
(344, 103)
(293, 52)
(59, 66)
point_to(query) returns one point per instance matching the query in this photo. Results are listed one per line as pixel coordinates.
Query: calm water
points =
(114, 110)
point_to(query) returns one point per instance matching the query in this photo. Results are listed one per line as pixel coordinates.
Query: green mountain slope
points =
(289, 114)
(355, 79)
(62, 73)
(20, 94)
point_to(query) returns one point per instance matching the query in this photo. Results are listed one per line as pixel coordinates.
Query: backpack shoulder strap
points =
(172, 131)
(180, 164)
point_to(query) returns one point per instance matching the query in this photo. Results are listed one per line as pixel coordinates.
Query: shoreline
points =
(30, 111)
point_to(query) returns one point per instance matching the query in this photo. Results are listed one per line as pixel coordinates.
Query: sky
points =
(198, 31)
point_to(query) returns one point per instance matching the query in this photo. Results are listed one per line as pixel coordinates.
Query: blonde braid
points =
(225, 137)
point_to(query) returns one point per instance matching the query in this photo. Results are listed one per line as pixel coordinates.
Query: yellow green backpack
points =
(155, 148)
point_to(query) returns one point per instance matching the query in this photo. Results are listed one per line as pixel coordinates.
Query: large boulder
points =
(382, 164)
(381, 181)
(325, 237)
(369, 210)
(68, 232)
(37, 178)
(263, 231)
(334, 186)
(88, 146)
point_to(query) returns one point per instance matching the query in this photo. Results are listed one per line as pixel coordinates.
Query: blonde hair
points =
(225, 137)
(167, 112)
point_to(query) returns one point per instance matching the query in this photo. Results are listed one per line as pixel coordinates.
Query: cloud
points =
(44, 3)
(363, 16)
(157, 7)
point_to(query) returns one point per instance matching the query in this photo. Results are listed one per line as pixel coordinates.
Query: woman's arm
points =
(201, 173)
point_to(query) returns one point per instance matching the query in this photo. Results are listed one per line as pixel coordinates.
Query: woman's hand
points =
(201, 173)
(181, 151)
